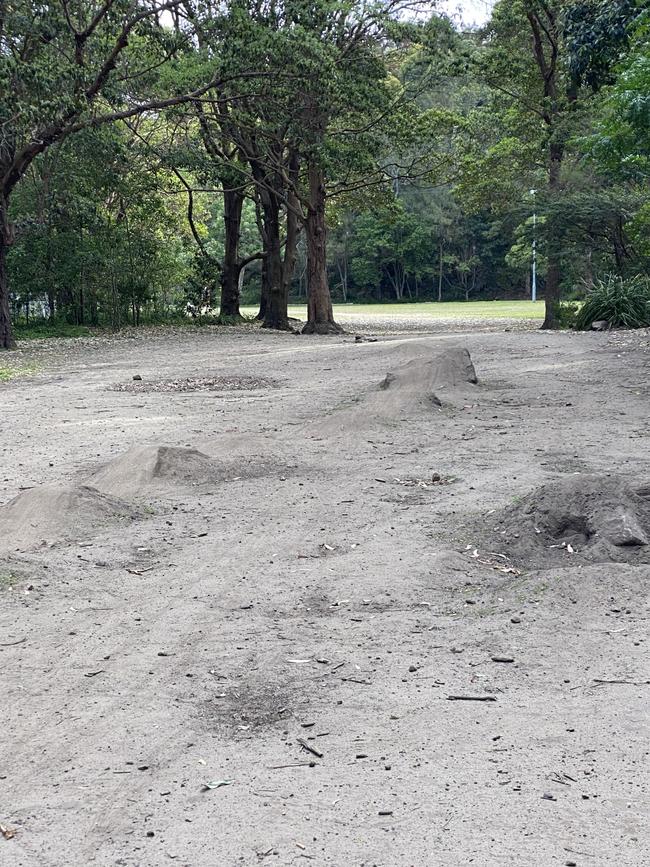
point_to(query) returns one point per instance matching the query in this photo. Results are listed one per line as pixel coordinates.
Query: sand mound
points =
(598, 518)
(418, 385)
(419, 381)
(53, 512)
(144, 467)
(161, 470)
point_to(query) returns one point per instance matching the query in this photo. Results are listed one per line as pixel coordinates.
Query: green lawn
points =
(432, 310)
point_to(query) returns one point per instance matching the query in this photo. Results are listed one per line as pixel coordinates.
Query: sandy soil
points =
(160, 630)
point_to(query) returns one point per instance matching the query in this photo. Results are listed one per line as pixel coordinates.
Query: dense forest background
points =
(160, 158)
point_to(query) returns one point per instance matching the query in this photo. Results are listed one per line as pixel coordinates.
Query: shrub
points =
(623, 303)
(566, 313)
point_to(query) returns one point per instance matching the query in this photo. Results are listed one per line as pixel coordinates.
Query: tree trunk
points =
(273, 306)
(552, 288)
(6, 333)
(264, 293)
(276, 314)
(320, 316)
(589, 270)
(440, 275)
(233, 201)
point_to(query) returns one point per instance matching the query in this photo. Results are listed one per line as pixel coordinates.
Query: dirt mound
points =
(418, 385)
(53, 512)
(143, 467)
(598, 518)
(418, 381)
(147, 469)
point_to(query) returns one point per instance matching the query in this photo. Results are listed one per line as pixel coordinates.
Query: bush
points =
(622, 303)
(566, 313)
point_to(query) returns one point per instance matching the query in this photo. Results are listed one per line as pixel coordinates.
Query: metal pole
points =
(533, 288)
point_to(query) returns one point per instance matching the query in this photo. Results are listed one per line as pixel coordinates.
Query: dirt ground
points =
(287, 613)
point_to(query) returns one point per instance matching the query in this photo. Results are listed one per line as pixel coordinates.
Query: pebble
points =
(515, 619)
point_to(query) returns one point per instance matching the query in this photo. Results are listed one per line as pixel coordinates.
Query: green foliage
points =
(429, 142)
(597, 32)
(566, 314)
(621, 303)
(97, 240)
(43, 328)
(621, 142)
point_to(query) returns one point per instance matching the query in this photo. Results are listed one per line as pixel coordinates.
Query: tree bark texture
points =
(6, 332)
(320, 316)
(281, 269)
(552, 288)
(233, 201)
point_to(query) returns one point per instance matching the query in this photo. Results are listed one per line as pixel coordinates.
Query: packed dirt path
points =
(291, 626)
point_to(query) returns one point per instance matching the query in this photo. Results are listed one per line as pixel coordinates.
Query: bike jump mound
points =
(145, 467)
(422, 380)
(420, 384)
(53, 512)
(598, 518)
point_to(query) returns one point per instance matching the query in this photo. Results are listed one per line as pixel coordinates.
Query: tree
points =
(96, 232)
(64, 69)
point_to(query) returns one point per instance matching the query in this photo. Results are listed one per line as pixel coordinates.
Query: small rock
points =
(600, 325)
(413, 668)
(548, 797)
(138, 378)
(515, 619)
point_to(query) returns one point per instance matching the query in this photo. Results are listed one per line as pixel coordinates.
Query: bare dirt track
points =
(269, 560)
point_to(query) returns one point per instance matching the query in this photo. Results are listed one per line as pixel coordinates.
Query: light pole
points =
(533, 288)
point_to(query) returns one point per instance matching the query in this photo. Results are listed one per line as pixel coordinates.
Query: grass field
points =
(432, 310)
(459, 311)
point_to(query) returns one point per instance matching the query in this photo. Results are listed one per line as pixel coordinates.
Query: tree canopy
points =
(161, 159)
